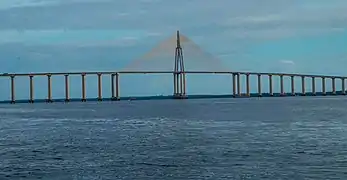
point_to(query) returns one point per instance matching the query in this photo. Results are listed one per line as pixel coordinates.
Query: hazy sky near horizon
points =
(247, 35)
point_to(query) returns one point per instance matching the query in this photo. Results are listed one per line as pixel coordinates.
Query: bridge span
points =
(179, 83)
(235, 83)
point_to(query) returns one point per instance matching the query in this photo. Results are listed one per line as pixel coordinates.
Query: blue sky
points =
(246, 35)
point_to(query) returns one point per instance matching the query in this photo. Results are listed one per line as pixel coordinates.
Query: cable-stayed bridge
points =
(178, 56)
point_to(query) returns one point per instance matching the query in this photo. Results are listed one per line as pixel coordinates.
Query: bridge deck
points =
(222, 96)
(167, 72)
(236, 92)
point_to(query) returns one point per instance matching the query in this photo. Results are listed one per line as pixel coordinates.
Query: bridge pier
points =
(247, 85)
(183, 94)
(234, 84)
(323, 86)
(113, 97)
(181, 86)
(112, 87)
(67, 98)
(179, 80)
(115, 90)
(259, 85)
(99, 87)
(175, 84)
(13, 98)
(282, 85)
(117, 86)
(31, 100)
(84, 99)
(333, 85)
(184, 85)
(343, 86)
(292, 85)
(303, 92)
(313, 85)
(270, 85)
(238, 85)
(49, 88)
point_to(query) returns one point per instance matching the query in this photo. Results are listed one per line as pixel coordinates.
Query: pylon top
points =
(178, 39)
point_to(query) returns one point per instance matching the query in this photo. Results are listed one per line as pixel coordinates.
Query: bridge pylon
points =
(179, 72)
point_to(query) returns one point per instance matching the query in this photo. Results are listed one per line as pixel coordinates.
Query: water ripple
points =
(197, 139)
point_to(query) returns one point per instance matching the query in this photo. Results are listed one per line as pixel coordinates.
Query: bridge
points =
(179, 72)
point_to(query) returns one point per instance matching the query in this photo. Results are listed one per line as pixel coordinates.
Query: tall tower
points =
(179, 73)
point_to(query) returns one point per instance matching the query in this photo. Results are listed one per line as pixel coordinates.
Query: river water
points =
(268, 138)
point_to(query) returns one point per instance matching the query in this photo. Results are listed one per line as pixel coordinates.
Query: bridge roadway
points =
(116, 93)
(165, 72)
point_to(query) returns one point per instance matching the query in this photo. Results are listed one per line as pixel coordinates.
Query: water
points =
(269, 138)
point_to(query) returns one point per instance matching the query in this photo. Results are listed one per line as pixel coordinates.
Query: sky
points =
(106, 35)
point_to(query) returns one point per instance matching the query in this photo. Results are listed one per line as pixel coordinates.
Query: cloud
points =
(8, 4)
(288, 19)
(230, 19)
(122, 42)
(287, 62)
(69, 37)
(219, 19)
(283, 66)
(5, 4)
(253, 19)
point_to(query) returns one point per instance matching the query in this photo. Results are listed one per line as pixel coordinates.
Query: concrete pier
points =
(99, 87)
(343, 89)
(113, 89)
(84, 99)
(13, 95)
(31, 86)
(117, 86)
(323, 86)
(184, 85)
(234, 84)
(67, 94)
(49, 88)
(259, 85)
(238, 85)
(313, 85)
(303, 92)
(282, 85)
(333, 85)
(175, 84)
(181, 83)
(247, 86)
(270, 85)
(292, 85)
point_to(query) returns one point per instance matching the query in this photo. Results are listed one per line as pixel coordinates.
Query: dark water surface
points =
(269, 138)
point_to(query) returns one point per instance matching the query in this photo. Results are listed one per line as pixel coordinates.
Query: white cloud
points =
(8, 4)
(230, 19)
(288, 19)
(71, 37)
(253, 19)
(287, 62)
